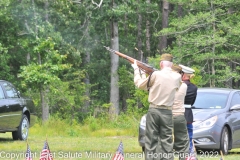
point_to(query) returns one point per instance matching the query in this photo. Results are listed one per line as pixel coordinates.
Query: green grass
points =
(83, 142)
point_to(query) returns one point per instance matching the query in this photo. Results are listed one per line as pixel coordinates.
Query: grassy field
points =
(82, 143)
(83, 148)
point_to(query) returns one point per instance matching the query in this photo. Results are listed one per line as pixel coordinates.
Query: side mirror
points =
(235, 107)
(18, 92)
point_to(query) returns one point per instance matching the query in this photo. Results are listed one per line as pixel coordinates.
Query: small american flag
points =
(46, 154)
(119, 154)
(28, 154)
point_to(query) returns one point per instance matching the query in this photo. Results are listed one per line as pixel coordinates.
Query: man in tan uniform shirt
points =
(181, 139)
(159, 124)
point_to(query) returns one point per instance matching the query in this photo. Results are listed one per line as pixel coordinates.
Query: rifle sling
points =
(149, 77)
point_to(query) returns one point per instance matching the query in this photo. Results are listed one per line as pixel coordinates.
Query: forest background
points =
(53, 51)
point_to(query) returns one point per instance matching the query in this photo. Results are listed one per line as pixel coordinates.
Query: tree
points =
(165, 15)
(42, 43)
(205, 39)
(148, 44)
(114, 93)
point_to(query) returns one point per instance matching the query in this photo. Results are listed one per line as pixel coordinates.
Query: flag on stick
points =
(28, 154)
(193, 153)
(222, 158)
(46, 154)
(119, 153)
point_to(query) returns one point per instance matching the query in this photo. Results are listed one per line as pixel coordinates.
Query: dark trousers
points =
(181, 139)
(158, 135)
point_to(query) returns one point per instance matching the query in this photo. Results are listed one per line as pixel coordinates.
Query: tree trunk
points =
(139, 37)
(148, 46)
(125, 25)
(213, 49)
(234, 81)
(180, 15)
(87, 83)
(165, 13)
(124, 102)
(213, 70)
(44, 104)
(114, 91)
(230, 83)
(180, 11)
(87, 59)
(209, 72)
(46, 5)
(43, 90)
(139, 43)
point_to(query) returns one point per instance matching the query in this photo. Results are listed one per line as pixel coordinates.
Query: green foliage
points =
(4, 66)
(155, 61)
(133, 95)
(197, 79)
(92, 122)
(35, 74)
(126, 121)
(204, 40)
(55, 126)
(59, 45)
(126, 84)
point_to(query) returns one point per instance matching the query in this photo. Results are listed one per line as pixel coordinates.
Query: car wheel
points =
(224, 145)
(22, 132)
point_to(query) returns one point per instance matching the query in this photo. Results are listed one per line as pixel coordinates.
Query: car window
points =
(1, 93)
(10, 90)
(209, 100)
(235, 99)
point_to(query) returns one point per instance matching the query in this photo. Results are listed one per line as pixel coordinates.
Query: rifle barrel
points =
(143, 66)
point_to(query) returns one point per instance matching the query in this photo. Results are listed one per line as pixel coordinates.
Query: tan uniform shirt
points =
(163, 86)
(178, 105)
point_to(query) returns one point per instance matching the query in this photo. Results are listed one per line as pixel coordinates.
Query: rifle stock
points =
(143, 66)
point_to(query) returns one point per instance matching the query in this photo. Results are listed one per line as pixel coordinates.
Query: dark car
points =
(216, 126)
(15, 111)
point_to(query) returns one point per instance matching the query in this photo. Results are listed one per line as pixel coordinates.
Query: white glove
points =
(134, 65)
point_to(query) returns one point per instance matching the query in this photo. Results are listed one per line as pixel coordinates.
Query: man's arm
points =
(140, 79)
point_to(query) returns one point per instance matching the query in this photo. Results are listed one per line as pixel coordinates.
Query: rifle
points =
(143, 66)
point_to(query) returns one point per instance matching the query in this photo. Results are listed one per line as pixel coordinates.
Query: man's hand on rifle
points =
(134, 65)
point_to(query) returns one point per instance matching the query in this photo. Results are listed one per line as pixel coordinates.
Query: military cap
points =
(187, 70)
(176, 68)
(166, 57)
